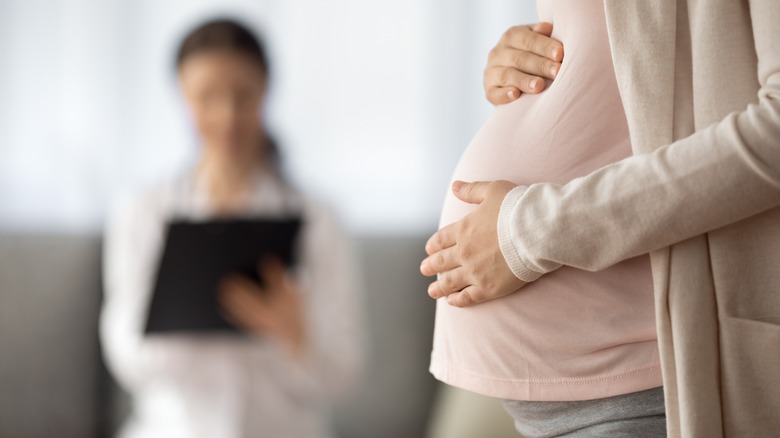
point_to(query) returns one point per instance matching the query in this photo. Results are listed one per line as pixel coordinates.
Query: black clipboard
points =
(198, 255)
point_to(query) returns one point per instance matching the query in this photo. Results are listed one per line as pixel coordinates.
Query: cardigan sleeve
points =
(717, 176)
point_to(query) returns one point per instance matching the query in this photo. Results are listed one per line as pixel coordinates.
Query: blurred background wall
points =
(372, 103)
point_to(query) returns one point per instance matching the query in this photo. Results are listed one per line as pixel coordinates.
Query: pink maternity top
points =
(572, 334)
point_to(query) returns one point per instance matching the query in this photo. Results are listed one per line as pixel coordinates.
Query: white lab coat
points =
(220, 385)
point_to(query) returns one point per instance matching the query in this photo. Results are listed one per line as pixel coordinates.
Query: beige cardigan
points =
(700, 82)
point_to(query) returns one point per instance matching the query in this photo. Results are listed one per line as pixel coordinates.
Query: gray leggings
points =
(636, 415)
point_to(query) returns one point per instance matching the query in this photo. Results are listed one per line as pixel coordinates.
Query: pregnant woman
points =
(545, 289)
(572, 335)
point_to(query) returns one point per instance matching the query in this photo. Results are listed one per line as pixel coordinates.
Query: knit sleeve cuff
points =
(506, 239)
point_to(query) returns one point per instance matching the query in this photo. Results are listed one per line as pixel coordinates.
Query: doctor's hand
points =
(523, 57)
(274, 309)
(466, 254)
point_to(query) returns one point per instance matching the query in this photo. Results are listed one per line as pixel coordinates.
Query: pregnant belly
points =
(570, 323)
(543, 138)
(571, 334)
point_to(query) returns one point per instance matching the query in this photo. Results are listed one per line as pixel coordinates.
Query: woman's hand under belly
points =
(466, 254)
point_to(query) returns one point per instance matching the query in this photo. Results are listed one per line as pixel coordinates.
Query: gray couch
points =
(53, 382)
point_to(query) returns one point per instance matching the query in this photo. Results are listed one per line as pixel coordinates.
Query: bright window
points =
(372, 101)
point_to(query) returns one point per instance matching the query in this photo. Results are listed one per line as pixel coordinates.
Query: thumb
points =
(473, 193)
(272, 271)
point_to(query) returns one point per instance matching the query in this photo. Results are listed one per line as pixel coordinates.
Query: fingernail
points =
(554, 70)
(534, 82)
(423, 265)
(432, 291)
(456, 186)
(511, 94)
(554, 52)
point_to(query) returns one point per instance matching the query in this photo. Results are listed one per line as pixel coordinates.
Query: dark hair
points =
(227, 34)
(222, 34)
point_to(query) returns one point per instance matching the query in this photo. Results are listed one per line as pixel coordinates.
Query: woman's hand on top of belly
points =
(523, 57)
(466, 254)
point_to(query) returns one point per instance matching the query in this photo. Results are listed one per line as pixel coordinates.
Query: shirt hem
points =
(554, 389)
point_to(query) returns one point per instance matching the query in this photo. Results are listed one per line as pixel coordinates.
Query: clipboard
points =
(198, 255)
